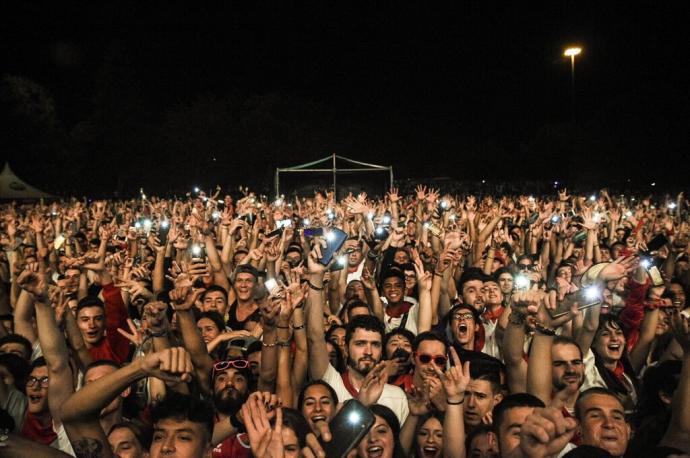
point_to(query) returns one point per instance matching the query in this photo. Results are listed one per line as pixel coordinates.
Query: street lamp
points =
(572, 52)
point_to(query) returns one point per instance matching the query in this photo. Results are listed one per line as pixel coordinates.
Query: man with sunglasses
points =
(231, 386)
(429, 353)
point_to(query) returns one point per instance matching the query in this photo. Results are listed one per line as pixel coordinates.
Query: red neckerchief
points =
(404, 381)
(351, 270)
(348, 383)
(398, 310)
(493, 316)
(619, 371)
(34, 430)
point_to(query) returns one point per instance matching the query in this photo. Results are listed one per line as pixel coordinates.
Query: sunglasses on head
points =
(438, 360)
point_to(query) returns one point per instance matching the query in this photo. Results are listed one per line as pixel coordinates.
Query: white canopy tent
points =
(13, 187)
(332, 160)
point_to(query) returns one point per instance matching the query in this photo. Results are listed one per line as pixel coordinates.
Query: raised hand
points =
(170, 365)
(156, 317)
(183, 298)
(393, 195)
(455, 379)
(424, 278)
(545, 432)
(33, 281)
(265, 441)
(135, 335)
(372, 386)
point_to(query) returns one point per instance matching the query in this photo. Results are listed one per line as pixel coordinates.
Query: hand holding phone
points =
(348, 428)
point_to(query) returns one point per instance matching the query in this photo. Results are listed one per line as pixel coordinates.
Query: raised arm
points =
(455, 381)
(678, 432)
(183, 299)
(318, 353)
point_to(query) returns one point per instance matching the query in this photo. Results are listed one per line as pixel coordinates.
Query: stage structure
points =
(322, 166)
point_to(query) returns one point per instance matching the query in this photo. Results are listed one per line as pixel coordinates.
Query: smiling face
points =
(609, 343)
(393, 289)
(379, 441)
(493, 294)
(364, 350)
(215, 301)
(208, 329)
(91, 321)
(318, 405)
(505, 282)
(244, 286)
(431, 351)
(603, 423)
(430, 439)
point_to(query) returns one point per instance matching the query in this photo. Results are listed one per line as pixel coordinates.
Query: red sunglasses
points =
(425, 358)
(234, 363)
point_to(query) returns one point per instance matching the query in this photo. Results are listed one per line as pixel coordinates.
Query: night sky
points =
(477, 91)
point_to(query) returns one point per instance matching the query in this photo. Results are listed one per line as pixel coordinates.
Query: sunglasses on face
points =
(233, 363)
(439, 360)
(31, 381)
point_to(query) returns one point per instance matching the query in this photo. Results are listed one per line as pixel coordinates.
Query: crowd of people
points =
(491, 326)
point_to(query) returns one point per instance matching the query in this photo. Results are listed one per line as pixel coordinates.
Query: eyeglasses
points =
(463, 316)
(438, 360)
(31, 381)
(525, 266)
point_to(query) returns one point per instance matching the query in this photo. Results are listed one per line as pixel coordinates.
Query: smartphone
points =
(270, 284)
(656, 243)
(348, 428)
(335, 238)
(283, 223)
(313, 232)
(655, 275)
(580, 237)
(163, 229)
(433, 228)
(249, 218)
(402, 223)
(271, 234)
(381, 233)
(198, 251)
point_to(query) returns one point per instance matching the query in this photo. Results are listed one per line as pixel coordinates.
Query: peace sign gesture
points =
(455, 379)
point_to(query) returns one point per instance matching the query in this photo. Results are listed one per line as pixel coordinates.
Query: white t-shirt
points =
(392, 397)
(357, 274)
(594, 379)
(491, 347)
(412, 316)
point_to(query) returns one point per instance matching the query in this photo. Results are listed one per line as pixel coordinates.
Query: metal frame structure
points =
(365, 167)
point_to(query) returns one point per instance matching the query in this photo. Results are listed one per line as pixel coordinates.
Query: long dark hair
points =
(420, 424)
(609, 377)
(390, 418)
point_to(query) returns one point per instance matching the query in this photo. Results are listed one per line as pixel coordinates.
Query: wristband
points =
(297, 328)
(455, 403)
(314, 287)
(285, 343)
(264, 344)
(544, 330)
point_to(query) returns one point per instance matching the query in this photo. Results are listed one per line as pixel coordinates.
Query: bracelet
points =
(314, 287)
(544, 330)
(264, 344)
(455, 403)
(297, 328)
(438, 274)
(284, 344)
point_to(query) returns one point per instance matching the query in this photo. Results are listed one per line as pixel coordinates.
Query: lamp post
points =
(572, 52)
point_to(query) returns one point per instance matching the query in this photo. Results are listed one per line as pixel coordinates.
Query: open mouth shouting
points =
(430, 450)
(375, 451)
(615, 348)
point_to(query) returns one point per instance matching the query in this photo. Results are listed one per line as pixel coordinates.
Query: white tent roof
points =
(13, 187)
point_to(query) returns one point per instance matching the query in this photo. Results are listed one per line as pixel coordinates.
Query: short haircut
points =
(393, 272)
(102, 362)
(513, 401)
(428, 335)
(302, 394)
(501, 271)
(18, 339)
(246, 269)
(484, 369)
(89, 301)
(406, 333)
(332, 329)
(142, 432)
(366, 322)
(470, 274)
(565, 340)
(181, 407)
(18, 367)
(589, 392)
(213, 288)
(38, 362)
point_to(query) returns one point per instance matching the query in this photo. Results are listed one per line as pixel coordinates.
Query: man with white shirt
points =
(364, 348)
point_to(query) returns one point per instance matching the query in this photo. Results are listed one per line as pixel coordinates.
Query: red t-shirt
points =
(113, 346)
(235, 446)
